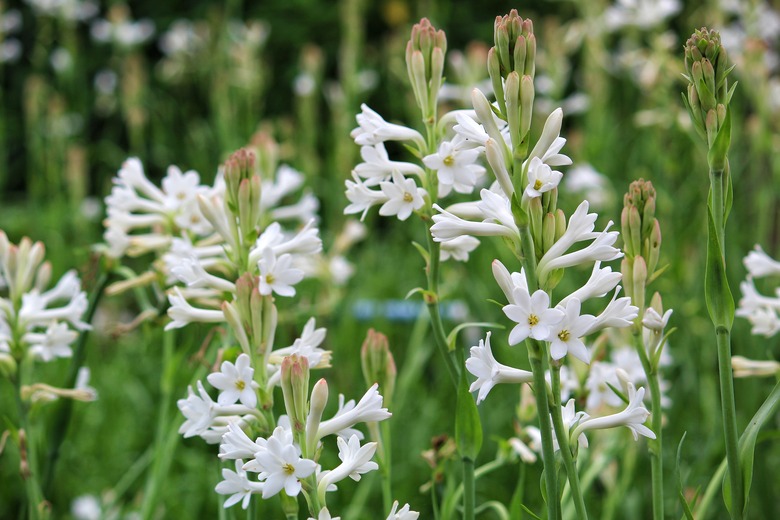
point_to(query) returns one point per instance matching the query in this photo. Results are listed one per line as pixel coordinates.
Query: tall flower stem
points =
(432, 302)
(656, 422)
(36, 503)
(163, 449)
(722, 323)
(536, 354)
(562, 434)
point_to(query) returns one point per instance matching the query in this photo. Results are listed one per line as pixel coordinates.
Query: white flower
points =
(86, 507)
(377, 166)
(494, 153)
(191, 272)
(584, 179)
(493, 208)
(235, 382)
(566, 335)
(760, 264)
(277, 274)
(374, 129)
(601, 281)
(541, 178)
(600, 376)
(324, 514)
(54, 343)
(643, 14)
(549, 145)
(237, 484)
(533, 315)
(34, 310)
(403, 197)
(182, 313)
(355, 461)
(744, 367)
(282, 466)
(237, 445)
(654, 321)
(458, 248)
(509, 282)
(361, 197)
(632, 417)
(618, 314)
(470, 129)
(198, 410)
(368, 409)
(571, 418)
(402, 514)
(455, 166)
(490, 372)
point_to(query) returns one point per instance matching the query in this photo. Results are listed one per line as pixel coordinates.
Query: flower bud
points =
(378, 364)
(536, 214)
(526, 105)
(425, 64)
(513, 108)
(295, 387)
(639, 279)
(319, 398)
(548, 233)
(238, 167)
(7, 365)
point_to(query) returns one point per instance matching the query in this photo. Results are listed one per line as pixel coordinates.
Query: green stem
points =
(723, 340)
(656, 420)
(387, 483)
(163, 447)
(535, 353)
(64, 411)
(486, 468)
(432, 301)
(562, 433)
(468, 488)
(36, 503)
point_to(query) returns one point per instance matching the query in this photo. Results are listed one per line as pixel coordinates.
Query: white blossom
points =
(403, 197)
(566, 336)
(490, 372)
(238, 486)
(541, 178)
(282, 466)
(533, 315)
(759, 264)
(235, 382)
(368, 409)
(402, 514)
(455, 166)
(277, 274)
(373, 129)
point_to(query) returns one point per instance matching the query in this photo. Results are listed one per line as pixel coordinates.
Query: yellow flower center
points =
(533, 319)
(269, 279)
(449, 160)
(537, 184)
(240, 384)
(564, 335)
(408, 197)
(288, 468)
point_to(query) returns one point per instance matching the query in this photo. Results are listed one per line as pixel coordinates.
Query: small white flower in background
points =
(277, 274)
(594, 187)
(282, 466)
(759, 264)
(324, 514)
(744, 367)
(533, 315)
(86, 507)
(566, 336)
(601, 375)
(238, 486)
(237, 445)
(235, 382)
(525, 453)
(541, 178)
(643, 14)
(182, 313)
(455, 166)
(82, 384)
(404, 197)
(378, 167)
(402, 514)
(54, 343)
(490, 372)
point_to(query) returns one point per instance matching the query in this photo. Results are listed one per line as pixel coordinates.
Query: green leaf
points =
(720, 303)
(423, 252)
(454, 333)
(533, 515)
(747, 446)
(716, 156)
(680, 489)
(468, 427)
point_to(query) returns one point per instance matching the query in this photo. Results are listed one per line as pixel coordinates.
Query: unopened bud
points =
(295, 387)
(654, 247)
(548, 232)
(238, 167)
(494, 70)
(560, 224)
(378, 364)
(513, 108)
(639, 283)
(527, 94)
(7, 365)
(425, 64)
(319, 398)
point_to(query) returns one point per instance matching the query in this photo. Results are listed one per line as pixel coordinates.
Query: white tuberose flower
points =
(541, 178)
(277, 274)
(633, 417)
(533, 315)
(490, 372)
(760, 264)
(237, 484)
(403, 197)
(368, 409)
(282, 466)
(235, 382)
(566, 335)
(403, 514)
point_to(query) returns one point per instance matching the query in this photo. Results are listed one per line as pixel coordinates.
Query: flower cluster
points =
(760, 310)
(36, 322)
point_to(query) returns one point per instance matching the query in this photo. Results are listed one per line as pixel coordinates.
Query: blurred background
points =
(86, 84)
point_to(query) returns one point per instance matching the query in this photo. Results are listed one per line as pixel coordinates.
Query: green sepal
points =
(468, 427)
(716, 156)
(413, 150)
(656, 274)
(661, 344)
(720, 303)
(618, 393)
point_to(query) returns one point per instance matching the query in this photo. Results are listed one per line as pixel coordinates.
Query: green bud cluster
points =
(295, 387)
(708, 93)
(641, 234)
(425, 65)
(512, 65)
(243, 188)
(378, 364)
